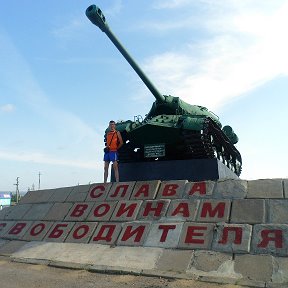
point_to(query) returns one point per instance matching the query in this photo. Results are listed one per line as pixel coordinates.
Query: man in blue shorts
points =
(113, 142)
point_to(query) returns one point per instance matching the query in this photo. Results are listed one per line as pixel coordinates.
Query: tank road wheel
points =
(238, 168)
(218, 154)
(211, 142)
(229, 161)
(222, 157)
(232, 164)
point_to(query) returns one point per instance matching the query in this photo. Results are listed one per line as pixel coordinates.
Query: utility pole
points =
(17, 189)
(39, 181)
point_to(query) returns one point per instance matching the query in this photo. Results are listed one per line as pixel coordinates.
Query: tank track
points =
(210, 142)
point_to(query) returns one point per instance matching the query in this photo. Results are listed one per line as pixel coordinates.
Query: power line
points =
(39, 180)
(17, 189)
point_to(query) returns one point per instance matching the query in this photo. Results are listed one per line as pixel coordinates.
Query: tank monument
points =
(175, 134)
(209, 226)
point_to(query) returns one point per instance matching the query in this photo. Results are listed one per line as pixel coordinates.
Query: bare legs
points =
(106, 166)
(116, 171)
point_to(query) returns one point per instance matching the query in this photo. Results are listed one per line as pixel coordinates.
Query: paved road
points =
(21, 275)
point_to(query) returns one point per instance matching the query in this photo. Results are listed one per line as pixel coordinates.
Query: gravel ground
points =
(22, 275)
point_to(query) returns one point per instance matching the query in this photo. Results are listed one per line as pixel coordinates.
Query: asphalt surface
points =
(22, 275)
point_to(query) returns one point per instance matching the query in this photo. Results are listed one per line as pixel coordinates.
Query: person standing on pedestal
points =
(113, 141)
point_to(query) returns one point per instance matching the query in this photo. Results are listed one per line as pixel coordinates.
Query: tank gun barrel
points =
(96, 16)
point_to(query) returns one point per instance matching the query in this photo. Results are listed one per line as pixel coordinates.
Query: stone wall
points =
(233, 216)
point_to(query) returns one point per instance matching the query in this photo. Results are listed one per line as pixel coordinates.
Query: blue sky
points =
(62, 80)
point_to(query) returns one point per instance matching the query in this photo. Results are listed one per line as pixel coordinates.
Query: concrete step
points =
(228, 231)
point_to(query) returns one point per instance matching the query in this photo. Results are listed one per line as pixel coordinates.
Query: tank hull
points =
(174, 137)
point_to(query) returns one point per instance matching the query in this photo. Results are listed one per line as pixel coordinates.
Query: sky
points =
(62, 80)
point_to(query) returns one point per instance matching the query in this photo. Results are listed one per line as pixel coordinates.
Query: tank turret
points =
(173, 129)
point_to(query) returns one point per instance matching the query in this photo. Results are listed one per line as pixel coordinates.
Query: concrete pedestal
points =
(192, 170)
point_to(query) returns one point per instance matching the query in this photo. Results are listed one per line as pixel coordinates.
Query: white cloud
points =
(245, 49)
(7, 108)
